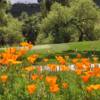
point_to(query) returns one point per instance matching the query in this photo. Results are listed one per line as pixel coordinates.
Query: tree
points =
(46, 5)
(3, 8)
(85, 16)
(55, 24)
(62, 22)
(24, 16)
(3, 18)
(30, 28)
(12, 33)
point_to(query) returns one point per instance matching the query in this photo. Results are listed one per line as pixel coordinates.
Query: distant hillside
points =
(97, 2)
(18, 8)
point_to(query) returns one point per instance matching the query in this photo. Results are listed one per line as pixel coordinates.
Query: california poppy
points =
(85, 78)
(78, 71)
(65, 85)
(54, 88)
(93, 87)
(29, 68)
(31, 88)
(89, 89)
(34, 77)
(51, 79)
(45, 60)
(78, 55)
(64, 68)
(4, 78)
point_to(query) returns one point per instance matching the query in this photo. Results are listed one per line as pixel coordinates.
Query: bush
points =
(64, 22)
(30, 28)
(11, 33)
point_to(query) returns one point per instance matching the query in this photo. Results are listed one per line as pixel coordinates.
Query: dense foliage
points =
(59, 21)
(10, 28)
(62, 22)
(30, 27)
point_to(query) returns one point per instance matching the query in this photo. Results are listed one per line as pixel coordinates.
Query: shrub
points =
(11, 33)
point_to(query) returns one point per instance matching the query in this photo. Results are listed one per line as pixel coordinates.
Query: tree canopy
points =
(58, 21)
(62, 22)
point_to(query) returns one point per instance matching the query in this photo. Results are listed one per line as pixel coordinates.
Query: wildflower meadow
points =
(21, 78)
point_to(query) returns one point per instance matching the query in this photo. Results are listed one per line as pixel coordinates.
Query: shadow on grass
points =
(73, 54)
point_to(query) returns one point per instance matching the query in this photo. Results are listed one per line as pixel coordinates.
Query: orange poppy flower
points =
(34, 77)
(51, 79)
(32, 58)
(54, 88)
(95, 59)
(89, 89)
(79, 65)
(78, 72)
(45, 60)
(85, 78)
(89, 73)
(74, 60)
(41, 77)
(87, 64)
(30, 68)
(61, 60)
(4, 61)
(31, 88)
(30, 46)
(14, 62)
(11, 50)
(4, 78)
(96, 87)
(84, 60)
(93, 87)
(21, 52)
(64, 68)
(24, 44)
(65, 85)
(78, 55)
(96, 71)
(52, 67)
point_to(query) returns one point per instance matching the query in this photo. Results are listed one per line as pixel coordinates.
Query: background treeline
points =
(50, 21)
(18, 8)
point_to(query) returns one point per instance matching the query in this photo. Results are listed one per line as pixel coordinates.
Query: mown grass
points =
(86, 49)
(80, 46)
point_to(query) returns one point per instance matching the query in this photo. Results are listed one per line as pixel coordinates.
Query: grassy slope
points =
(49, 51)
(86, 45)
(81, 46)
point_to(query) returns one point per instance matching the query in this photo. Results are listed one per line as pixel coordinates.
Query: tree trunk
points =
(81, 37)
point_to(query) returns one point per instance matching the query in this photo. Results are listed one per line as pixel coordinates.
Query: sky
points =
(23, 1)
